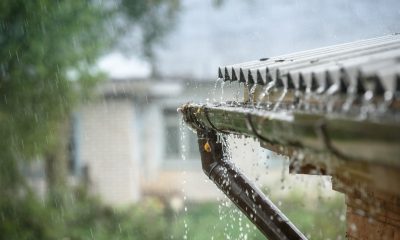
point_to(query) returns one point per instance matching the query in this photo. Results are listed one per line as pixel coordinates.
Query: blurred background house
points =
(130, 143)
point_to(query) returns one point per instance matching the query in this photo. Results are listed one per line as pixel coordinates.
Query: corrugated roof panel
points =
(377, 58)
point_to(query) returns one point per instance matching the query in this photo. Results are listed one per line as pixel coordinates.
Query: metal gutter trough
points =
(339, 107)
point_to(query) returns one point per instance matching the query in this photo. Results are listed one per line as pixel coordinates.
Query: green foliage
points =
(321, 219)
(213, 221)
(23, 218)
(79, 219)
(47, 51)
(317, 220)
(48, 48)
(154, 19)
(41, 42)
(89, 219)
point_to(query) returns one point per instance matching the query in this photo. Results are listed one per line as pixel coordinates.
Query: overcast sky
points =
(207, 37)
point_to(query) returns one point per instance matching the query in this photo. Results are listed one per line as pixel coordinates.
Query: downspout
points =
(239, 189)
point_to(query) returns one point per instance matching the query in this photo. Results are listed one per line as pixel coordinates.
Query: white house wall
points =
(107, 149)
(152, 140)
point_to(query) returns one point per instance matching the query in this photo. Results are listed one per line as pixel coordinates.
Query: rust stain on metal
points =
(207, 147)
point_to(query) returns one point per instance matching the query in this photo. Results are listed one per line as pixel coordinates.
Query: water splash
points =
(279, 101)
(214, 92)
(238, 92)
(183, 150)
(265, 94)
(222, 91)
(251, 94)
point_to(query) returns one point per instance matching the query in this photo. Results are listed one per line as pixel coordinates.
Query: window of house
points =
(73, 146)
(172, 136)
(175, 144)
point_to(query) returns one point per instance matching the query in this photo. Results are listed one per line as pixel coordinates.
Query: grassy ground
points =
(86, 218)
(322, 219)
